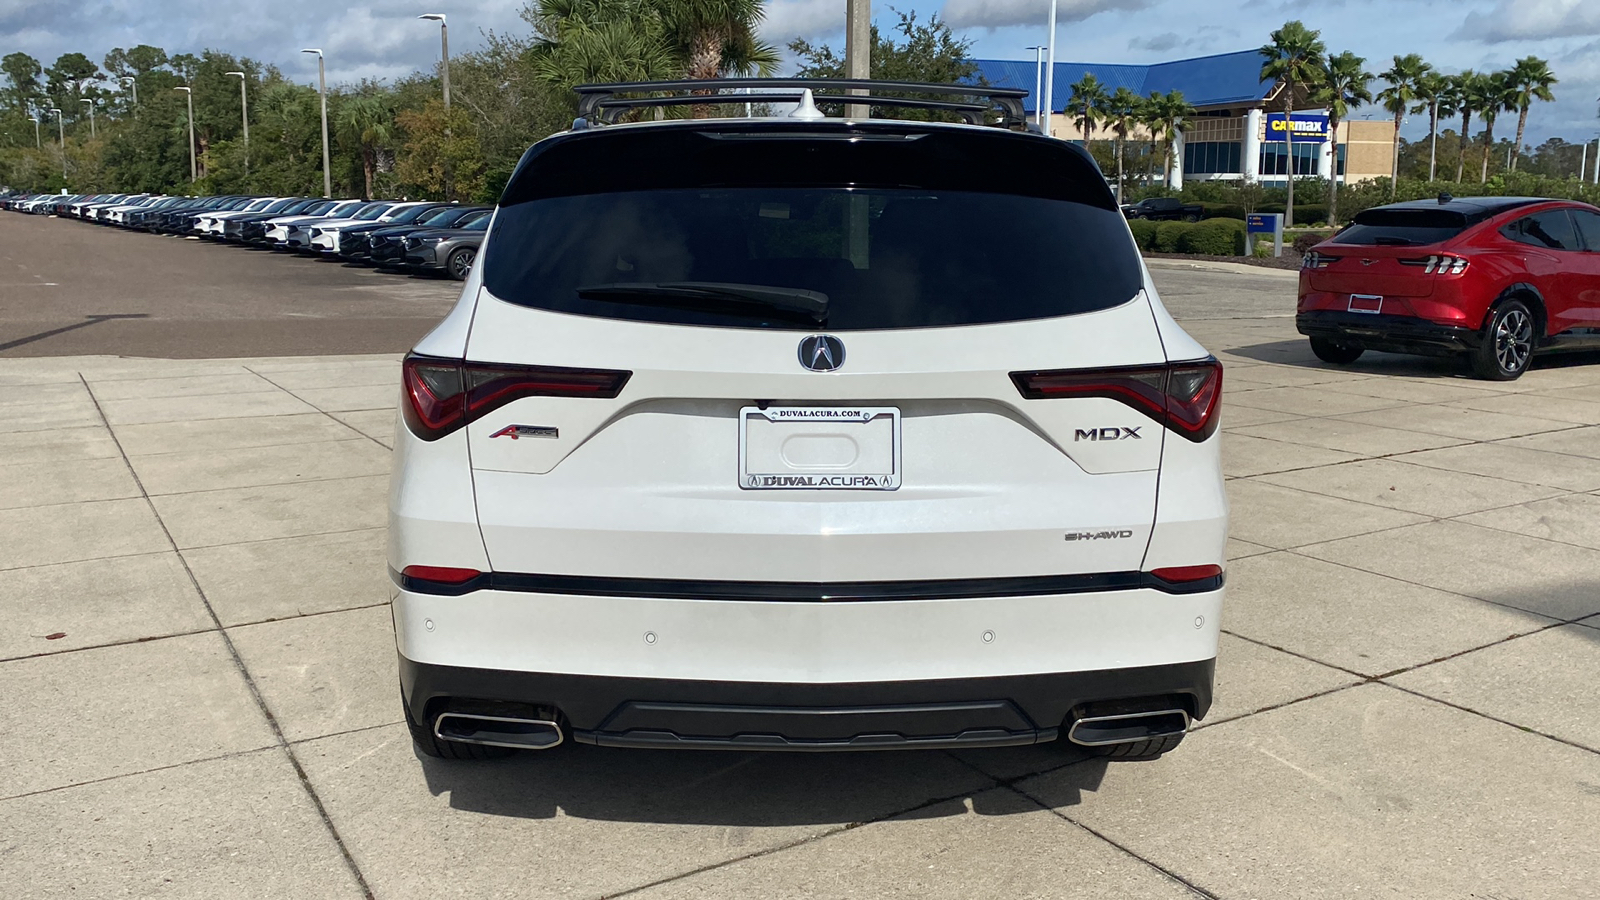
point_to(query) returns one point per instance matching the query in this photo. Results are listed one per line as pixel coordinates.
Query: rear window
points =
(1403, 227)
(872, 228)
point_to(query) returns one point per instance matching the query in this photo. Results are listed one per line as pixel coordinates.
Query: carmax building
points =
(1238, 128)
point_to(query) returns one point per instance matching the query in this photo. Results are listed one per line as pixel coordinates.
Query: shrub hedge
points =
(1144, 233)
(1208, 237)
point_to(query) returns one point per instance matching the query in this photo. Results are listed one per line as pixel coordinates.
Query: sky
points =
(383, 39)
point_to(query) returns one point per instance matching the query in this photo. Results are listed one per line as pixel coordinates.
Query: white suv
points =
(806, 433)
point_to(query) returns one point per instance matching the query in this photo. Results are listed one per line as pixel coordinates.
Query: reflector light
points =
(444, 395)
(1182, 396)
(440, 574)
(1181, 574)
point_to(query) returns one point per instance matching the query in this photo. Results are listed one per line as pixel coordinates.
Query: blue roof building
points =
(1231, 134)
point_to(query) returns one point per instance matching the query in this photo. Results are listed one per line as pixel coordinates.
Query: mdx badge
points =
(522, 431)
(822, 353)
(1107, 434)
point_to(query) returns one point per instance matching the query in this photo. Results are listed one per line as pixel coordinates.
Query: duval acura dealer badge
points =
(819, 448)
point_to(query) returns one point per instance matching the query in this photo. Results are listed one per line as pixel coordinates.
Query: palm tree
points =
(1493, 96)
(718, 37)
(600, 41)
(1530, 79)
(1341, 86)
(1465, 89)
(1398, 98)
(1433, 89)
(1167, 115)
(367, 122)
(1087, 105)
(1291, 59)
(1121, 114)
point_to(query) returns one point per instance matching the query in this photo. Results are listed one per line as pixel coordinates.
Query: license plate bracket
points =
(819, 448)
(1366, 303)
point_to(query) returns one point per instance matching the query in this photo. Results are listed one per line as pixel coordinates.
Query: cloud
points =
(992, 14)
(810, 19)
(1530, 20)
(1159, 43)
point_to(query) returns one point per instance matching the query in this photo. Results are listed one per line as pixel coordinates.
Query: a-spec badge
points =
(821, 353)
(522, 431)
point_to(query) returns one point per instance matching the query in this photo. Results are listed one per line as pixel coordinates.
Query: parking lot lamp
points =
(322, 88)
(444, 52)
(91, 115)
(244, 111)
(128, 81)
(37, 143)
(194, 168)
(1050, 71)
(1038, 78)
(62, 125)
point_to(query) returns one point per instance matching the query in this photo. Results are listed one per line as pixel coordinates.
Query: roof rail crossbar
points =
(971, 113)
(1005, 101)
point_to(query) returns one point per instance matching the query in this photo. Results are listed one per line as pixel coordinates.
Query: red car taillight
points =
(1182, 396)
(443, 395)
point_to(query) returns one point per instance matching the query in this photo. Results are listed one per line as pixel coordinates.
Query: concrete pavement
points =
(202, 695)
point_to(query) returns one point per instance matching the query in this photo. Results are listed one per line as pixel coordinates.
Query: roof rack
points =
(604, 100)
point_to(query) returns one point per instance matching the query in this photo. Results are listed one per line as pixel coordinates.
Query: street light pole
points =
(60, 123)
(858, 51)
(1038, 78)
(322, 88)
(130, 82)
(1050, 71)
(194, 168)
(37, 143)
(91, 115)
(244, 111)
(444, 53)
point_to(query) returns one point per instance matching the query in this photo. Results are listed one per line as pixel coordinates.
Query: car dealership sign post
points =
(1264, 224)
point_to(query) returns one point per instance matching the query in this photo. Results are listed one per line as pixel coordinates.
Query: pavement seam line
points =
(1525, 729)
(168, 767)
(238, 662)
(319, 409)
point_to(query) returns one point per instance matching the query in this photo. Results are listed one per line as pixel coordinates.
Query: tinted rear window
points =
(1403, 227)
(932, 229)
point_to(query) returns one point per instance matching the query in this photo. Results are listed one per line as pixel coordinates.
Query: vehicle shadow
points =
(739, 789)
(1297, 354)
(87, 321)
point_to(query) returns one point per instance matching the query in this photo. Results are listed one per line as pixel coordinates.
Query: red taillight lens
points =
(440, 574)
(1182, 396)
(1182, 574)
(443, 395)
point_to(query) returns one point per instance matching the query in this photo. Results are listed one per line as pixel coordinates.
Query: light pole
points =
(444, 52)
(322, 88)
(244, 111)
(61, 124)
(858, 51)
(1038, 78)
(1050, 71)
(194, 169)
(37, 144)
(91, 115)
(129, 81)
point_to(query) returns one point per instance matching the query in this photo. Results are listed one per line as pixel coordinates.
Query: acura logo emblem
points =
(822, 353)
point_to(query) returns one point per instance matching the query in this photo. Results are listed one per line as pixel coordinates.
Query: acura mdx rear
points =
(806, 435)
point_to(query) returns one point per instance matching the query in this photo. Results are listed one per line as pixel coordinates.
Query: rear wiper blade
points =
(795, 304)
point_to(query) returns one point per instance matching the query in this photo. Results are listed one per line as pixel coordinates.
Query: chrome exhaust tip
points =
(1128, 728)
(498, 731)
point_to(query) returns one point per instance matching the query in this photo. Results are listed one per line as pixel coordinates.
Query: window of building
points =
(1211, 158)
(1275, 158)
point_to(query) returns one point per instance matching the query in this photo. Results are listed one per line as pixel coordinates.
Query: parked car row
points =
(407, 235)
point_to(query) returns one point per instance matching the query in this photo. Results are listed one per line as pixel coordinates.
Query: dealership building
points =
(1238, 128)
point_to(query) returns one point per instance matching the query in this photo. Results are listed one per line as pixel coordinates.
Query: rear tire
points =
(422, 737)
(1191, 217)
(459, 265)
(1507, 347)
(1338, 354)
(1150, 749)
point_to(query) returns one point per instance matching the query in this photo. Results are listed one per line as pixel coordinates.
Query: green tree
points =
(1291, 59)
(718, 37)
(1086, 104)
(1492, 95)
(1341, 86)
(1464, 87)
(1437, 97)
(1121, 115)
(1167, 115)
(437, 143)
(1529, 80)
(23, 72)
(1398, 98)
(366, 121)
(927, 52)
(598, 42)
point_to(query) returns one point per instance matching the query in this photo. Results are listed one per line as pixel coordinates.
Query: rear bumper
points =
(1395, 334)
(677, 713)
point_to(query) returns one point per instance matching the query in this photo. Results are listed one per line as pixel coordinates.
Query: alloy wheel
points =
(1513, 340)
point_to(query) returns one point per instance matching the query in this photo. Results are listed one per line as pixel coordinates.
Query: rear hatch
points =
(1384, 252)
(788, 356)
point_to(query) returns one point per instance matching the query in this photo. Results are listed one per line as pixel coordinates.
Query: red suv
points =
(1490, 278)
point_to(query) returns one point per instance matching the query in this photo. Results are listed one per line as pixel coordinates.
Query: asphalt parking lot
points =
(201, 696)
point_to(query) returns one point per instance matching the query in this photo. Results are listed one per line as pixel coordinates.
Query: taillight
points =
(443, 395)
(1184, 574)
(1315, 260)
(1439, 264)
(441, 574)
(1182, 396)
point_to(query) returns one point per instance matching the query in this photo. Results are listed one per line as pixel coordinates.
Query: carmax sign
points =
(1309, 129)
